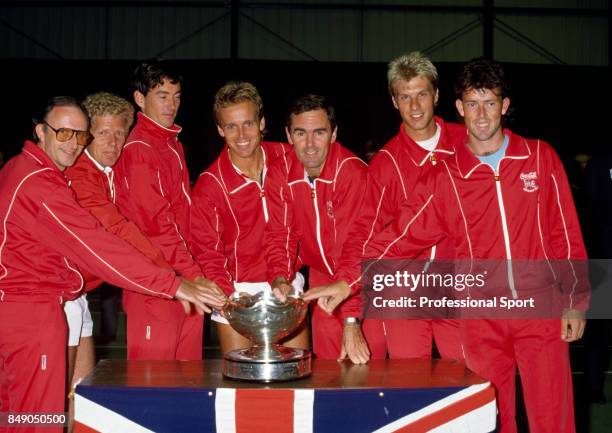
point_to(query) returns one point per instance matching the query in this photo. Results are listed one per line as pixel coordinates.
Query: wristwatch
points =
(351, 321)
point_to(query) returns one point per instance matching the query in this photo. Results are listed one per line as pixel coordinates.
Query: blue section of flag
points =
(357, 411)
(193, 410)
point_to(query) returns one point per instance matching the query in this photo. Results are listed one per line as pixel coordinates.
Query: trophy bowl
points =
(265, 320)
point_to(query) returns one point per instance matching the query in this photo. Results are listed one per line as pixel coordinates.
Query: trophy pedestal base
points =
(294, 364)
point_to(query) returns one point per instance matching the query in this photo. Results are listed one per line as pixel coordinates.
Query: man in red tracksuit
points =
(422, 142)
(44, 239)
(505, 198)
(92, 179)
(230, 209)
(313, 193)
(152, 190)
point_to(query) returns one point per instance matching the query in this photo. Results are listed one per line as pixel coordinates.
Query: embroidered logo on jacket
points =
(530, 181)
(330, 209)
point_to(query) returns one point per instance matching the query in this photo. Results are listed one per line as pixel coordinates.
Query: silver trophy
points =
(264, 320)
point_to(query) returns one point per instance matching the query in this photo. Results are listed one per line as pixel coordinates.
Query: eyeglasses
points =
(83, 138)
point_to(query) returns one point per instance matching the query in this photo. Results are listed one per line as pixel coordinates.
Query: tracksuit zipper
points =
(502, 212)
(318, 228)
(264, 203)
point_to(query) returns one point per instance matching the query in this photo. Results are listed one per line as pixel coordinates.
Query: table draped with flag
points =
(417, 395)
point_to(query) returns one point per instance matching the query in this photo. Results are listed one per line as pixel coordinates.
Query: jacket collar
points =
(416, 153)
(233, 178)
(102, 168)
(32, 150)
(467, 162)
(328, 173)
(151, 126)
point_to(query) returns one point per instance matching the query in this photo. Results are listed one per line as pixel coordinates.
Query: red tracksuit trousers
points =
(159, 329)
(412, 338)
(494, 348)
(326, 329)
(33, 341)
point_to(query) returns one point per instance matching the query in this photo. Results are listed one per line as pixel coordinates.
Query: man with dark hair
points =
(230, 205)
(313, 192)
(153, 191)
(164, 81)
(423, 141)
(44, 239)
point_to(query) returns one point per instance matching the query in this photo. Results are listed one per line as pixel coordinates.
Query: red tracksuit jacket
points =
(526, 211)
(152, 190)
(313, 221)
(46, 234)
(392, 175)
(228, 219)
(94, 189)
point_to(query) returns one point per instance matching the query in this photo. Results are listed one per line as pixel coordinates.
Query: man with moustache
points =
(230, 205)
(422, 142)
(313, 193)
(44, 239)
(153, 191)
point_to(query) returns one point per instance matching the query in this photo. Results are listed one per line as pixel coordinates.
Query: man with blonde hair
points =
(230, 205)
(92, 179)
(423, 140)
(105, 112)
(100, 106)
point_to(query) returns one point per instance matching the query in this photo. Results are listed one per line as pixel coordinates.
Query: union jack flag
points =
(226, 410)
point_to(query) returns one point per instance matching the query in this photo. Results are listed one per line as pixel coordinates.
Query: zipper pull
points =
(496, 177)
(432, 158)
(313, 193)
(262, 194)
